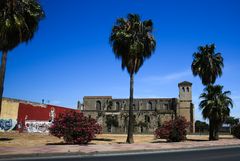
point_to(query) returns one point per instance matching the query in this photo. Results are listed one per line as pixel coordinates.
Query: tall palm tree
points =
(18, 22)
(215, 107)
(207, 64)
(132, 42)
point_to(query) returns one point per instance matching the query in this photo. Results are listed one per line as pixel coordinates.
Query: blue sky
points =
(70, 56)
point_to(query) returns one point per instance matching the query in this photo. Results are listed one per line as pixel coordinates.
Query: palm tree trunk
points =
(130, 120)
(2, 76)
(211, 130)
(216, 135)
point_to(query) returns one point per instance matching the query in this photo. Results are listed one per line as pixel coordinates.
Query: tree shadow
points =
(63, 143)
(6, 139)
(198, 140)
(121, 142)
(95, 139)
(103, 139)
(159, 141)
(60, 143)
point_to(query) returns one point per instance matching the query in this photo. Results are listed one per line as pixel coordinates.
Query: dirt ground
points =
(15, 139)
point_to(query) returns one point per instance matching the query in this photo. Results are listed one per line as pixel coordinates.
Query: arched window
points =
(117, 106)
(165, 106)
(147, 119)
(187, 89)
(134, 107)
(98, 105)
(150, 106)
(183, 89)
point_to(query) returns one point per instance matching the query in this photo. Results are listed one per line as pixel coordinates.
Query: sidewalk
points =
(112, 148)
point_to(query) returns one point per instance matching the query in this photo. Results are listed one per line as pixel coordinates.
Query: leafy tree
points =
(173, 130)
(215, 107)
(109, 105)
(75, 128)
(111, 121)
(207, 64)
(231, 121)
(236, 131)
(132, 42)
(201, 126)
(18, 22)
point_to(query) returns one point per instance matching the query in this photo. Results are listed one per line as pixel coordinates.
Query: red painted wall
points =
(38, 113)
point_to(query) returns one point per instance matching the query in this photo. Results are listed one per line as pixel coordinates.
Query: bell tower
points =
(185, 105)
(185, 91)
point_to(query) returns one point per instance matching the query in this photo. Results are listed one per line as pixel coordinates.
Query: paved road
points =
(222, 154)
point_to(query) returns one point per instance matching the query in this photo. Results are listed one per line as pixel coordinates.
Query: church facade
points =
(149, 113)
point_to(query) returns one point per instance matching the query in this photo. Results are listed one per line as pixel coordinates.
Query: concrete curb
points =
(109, 153)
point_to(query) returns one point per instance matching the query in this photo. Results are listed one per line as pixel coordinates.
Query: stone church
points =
(149, 113)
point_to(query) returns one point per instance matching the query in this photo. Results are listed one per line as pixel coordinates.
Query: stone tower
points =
(185, 106)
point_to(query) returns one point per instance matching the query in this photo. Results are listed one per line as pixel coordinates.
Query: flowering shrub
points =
(173, 130)
(75, 128)
(236, 131)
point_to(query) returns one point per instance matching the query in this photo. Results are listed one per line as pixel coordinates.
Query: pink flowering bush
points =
(173, 130)
(75, 128)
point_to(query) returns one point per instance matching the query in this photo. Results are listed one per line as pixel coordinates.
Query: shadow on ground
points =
(197, 140)
(103, 139)
(159, 141)
(6, 139)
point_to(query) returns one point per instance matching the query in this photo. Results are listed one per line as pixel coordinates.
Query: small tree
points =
(111, 121)
(173, 130)
(75, 128)
(201, 126)
(231, 121)
(236, 131)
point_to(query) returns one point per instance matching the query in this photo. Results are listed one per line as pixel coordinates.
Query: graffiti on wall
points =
(7, 124)
(37, 126)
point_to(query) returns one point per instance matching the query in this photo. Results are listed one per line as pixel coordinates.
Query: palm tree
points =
(207, 64)
(215, 107)
(18, 22)
(132, 42)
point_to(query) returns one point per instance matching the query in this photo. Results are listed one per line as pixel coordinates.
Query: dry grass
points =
(26, 139)
(15, 139)
(121, 138)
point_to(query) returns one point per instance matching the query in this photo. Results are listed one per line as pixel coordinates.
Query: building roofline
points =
(22, 101)
(97, 97)
(184, 83)
(145, 98)
(31, 102)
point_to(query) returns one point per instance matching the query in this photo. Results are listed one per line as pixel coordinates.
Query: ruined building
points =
(149, 113)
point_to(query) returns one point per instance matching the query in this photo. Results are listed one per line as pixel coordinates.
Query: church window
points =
(98, 105)
(147, 119)
(150, 106)
(165, 106)
(134, 107)
(187, 89)
(117, 106)
(183, 89)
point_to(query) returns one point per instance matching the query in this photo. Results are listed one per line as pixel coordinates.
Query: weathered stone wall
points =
(145, 121)
(149, 113)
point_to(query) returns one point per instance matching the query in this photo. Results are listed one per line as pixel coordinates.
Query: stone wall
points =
(149, 113)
